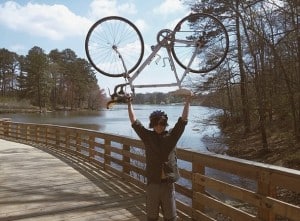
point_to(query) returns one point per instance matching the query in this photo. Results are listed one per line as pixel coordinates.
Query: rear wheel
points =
(201, 43)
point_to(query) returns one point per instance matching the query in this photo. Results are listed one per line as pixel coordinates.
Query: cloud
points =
(169, 7)
(103, 8)
(55, 22)
(141, 25)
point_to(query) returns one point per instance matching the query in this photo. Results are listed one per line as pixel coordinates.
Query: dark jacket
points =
(160, 151)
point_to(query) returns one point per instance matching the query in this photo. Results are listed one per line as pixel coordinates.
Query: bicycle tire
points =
(108, 35)
(202, 32)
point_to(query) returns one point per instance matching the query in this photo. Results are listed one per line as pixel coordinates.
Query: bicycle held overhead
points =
(115, 48)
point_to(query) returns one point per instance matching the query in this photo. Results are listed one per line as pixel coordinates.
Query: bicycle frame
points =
(166, 44)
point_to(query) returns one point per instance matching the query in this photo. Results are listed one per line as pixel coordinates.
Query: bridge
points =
(51, 172)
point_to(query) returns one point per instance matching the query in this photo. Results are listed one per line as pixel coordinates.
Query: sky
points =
(53, 24)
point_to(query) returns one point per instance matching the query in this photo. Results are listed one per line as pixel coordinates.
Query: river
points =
(116, 121)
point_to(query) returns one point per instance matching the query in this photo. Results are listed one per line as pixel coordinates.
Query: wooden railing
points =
(212, 186)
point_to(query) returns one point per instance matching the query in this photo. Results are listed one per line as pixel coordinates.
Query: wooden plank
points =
(290, 180)
(134, 156)
(186, 174)
(127, 177)
(281, 208)
(230, 190)
(218, 206)
(184, 154)
(242, 168)
(134, 168)
(184, 191)
(36, 185)
(198, 215)
(184, 208)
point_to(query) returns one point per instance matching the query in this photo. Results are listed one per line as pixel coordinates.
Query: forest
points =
(257, 86)
(58, 80)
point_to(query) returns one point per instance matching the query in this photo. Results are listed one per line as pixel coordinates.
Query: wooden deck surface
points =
(42, 184)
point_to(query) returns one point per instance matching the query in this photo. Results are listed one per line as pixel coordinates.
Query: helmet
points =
(157, 116)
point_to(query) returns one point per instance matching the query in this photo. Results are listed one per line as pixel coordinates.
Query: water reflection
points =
(80, 119)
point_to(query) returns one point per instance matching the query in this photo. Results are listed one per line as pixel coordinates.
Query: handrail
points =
(201, 194)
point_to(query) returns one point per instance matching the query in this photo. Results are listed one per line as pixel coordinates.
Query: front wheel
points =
(114, 46)
(201, 43)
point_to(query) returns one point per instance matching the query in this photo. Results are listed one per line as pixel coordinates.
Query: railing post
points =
(18, 130)
(6, 129)
(36, 133)
(31, 127)
(107, 152)
(264, 188)
(126, 159)
(197, 168)
(57, 138)
(27, 132)
(23, 132)
(67, 140)
(91, 147)
(46, 136)
(78, 142)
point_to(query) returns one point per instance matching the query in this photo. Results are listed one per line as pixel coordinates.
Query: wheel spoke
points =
(109, 38)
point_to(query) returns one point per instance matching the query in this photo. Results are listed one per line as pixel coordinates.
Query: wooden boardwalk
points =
(62, 178)
(39, 183)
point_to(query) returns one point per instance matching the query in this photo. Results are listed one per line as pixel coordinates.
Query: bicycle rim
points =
(114, 46)
(204, 36)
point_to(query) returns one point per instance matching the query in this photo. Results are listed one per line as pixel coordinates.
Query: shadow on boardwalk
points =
(49, 184)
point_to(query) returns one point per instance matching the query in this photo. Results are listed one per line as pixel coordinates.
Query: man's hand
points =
(187, 94)
(128, 98)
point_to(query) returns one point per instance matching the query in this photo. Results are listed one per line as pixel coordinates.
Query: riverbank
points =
(13, 105)
(15, 111)
(283, 149)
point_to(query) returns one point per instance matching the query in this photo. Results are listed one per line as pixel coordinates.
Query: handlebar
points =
(119, 95)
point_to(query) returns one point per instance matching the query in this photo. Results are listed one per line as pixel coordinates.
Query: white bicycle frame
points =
(164, 43)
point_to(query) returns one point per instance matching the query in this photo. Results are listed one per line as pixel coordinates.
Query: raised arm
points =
(187, 94)
(186, 108)
(131, 114)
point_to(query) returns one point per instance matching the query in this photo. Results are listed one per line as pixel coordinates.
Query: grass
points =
(11, 105)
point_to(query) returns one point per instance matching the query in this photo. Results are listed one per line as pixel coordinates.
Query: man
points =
(161, 161)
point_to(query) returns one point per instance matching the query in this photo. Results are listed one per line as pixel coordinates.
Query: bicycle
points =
(114, 46)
